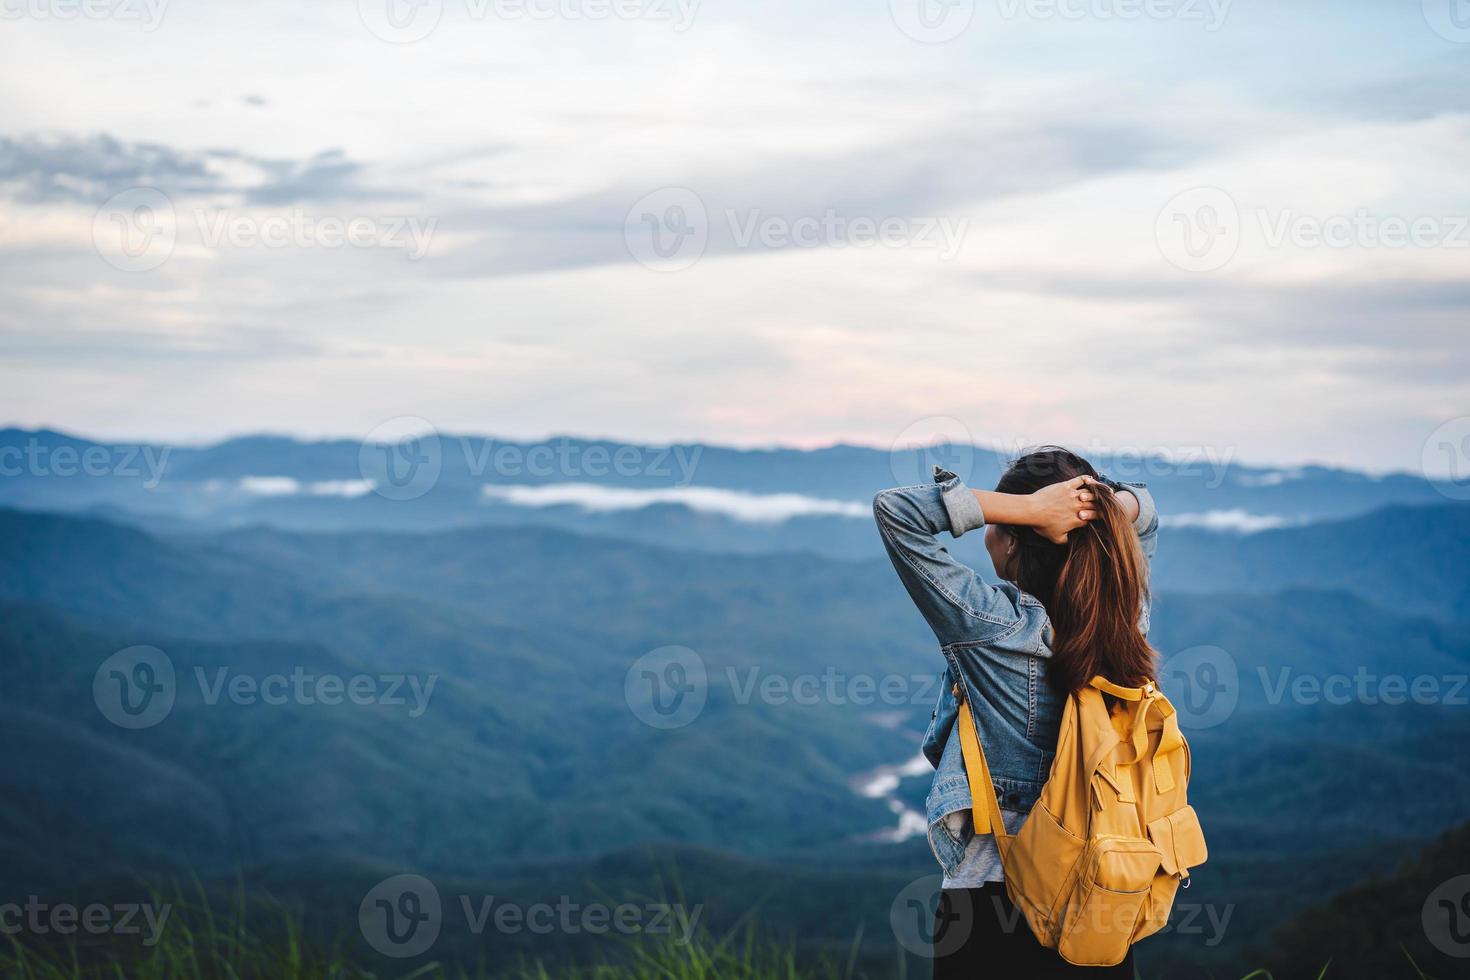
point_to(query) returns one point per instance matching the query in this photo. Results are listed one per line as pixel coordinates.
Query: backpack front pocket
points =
(1110, 898)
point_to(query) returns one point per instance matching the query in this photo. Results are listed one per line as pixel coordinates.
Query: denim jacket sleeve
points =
(958, 605)
(1147, 526)
(1147, 521)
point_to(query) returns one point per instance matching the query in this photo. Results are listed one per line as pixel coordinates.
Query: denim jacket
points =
(995, 640)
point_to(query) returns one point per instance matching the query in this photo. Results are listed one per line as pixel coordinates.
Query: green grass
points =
(263, 939)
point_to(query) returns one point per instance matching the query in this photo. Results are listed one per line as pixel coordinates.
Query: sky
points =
(1150, 225)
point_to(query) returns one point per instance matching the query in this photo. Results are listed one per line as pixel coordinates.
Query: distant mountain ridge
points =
(1412, 559)
(456, 481)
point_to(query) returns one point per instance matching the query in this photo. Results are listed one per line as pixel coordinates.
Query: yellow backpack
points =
(1096, 865)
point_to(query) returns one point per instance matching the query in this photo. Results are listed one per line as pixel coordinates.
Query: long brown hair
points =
(1092, 585)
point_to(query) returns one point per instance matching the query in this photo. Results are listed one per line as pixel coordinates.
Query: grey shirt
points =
(981, 862)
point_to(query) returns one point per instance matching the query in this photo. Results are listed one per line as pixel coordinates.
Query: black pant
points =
(979, 935)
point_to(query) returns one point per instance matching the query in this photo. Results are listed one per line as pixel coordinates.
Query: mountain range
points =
(511, 751)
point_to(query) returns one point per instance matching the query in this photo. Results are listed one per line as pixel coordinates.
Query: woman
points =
(1070, 550)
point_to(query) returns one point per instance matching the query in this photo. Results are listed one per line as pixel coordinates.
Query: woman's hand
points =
(1058, 509)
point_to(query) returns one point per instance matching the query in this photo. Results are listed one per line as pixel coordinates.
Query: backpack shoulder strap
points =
(985, 806)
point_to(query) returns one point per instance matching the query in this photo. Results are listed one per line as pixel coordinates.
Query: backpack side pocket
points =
(1041, 867)
(1181, 843)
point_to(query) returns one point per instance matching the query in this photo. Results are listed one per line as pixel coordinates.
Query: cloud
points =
(941, 174)
(286, 486)
(328, 176)
(1270, 478)
(1434, 88)
(752, 508)
(90, 169)
(63, 340)
(1238, 521)
(1335, 314)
